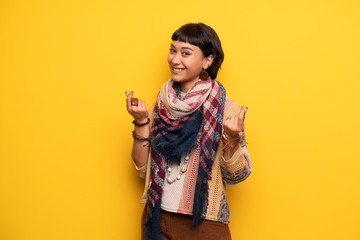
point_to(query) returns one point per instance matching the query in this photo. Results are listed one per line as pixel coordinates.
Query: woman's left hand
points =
(234, 124)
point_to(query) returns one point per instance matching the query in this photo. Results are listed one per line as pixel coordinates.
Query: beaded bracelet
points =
(139, 138)
(230, 143)
(141, 124)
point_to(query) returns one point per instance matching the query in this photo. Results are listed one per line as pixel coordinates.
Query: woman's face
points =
(186, 62)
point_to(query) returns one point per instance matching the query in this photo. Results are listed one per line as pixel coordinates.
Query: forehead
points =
(180, 44)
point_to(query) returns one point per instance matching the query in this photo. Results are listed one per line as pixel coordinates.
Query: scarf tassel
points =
(152, 223)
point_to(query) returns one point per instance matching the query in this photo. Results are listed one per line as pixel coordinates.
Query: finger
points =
(232, 121)
(242, 121)
(229, 118)
(231, 125)
(246, 109)
(128, 99)
(141, 104)
(242, 113)
(239, 119)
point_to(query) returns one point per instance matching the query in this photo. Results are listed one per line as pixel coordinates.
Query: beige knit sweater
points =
(229, 172)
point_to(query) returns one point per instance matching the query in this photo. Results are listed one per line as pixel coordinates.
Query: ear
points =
(208, 61)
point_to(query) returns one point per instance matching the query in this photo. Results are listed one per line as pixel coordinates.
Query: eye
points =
(172, 50)
(186, 53)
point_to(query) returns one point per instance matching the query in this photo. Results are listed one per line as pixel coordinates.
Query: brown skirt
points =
(175, 226)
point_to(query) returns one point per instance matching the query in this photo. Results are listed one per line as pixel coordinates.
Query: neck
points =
(186, 86)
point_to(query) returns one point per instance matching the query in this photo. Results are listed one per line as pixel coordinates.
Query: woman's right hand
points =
(139, 112)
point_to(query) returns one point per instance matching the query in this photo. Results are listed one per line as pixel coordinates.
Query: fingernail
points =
(132, 91)
(126, 92)
(246, 107)
(242, 107)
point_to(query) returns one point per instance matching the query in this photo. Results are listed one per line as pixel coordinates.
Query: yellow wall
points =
(65, 139)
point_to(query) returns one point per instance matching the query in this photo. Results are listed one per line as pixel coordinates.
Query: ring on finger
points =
(134, 102)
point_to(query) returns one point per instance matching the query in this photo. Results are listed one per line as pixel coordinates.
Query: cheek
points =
(169, 58)
(196, 65)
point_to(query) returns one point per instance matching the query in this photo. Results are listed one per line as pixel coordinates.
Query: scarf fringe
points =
(152, 223)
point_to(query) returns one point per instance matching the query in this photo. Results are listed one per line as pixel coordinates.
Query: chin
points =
(176, 78)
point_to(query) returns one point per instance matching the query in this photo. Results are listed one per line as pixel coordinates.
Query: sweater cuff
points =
(236, 162)
(140, 171)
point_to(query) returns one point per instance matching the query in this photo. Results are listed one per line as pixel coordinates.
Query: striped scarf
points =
(179, 125)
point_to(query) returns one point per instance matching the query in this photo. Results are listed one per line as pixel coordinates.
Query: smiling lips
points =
(177, 70)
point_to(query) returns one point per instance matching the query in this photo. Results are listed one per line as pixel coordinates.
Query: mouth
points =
(177, 70)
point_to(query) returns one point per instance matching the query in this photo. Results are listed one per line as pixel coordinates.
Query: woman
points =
(190, 143)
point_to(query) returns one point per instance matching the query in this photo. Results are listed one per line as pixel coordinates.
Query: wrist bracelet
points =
(231, 143)
(139, 138)
(240, 135)
(141, 124)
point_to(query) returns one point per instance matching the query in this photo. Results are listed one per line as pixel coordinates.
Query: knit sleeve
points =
(141, 172)
(238, 167)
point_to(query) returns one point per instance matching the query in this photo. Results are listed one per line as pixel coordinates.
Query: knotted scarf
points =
(181, 123)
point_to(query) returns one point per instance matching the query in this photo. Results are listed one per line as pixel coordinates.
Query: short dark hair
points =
(206, 39)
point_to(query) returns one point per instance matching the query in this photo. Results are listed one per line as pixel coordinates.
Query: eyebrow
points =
(182, 47)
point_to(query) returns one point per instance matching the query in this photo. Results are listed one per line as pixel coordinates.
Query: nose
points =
(175, 59)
